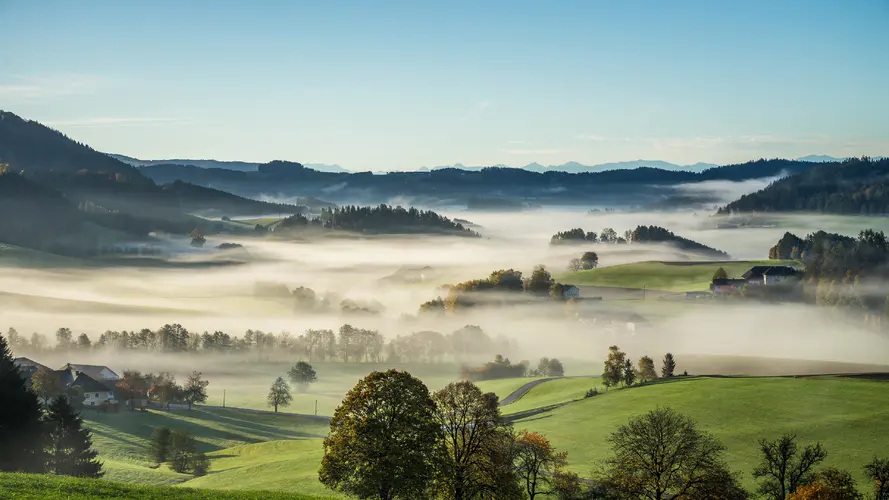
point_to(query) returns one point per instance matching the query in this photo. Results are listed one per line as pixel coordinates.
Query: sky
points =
(401, 85)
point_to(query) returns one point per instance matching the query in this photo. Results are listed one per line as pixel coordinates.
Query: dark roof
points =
(728, 281)
(27, 363)
(89, 384)
(94, 371)
(757, 271)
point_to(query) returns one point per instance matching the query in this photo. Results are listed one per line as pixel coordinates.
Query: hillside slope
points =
(855, 186)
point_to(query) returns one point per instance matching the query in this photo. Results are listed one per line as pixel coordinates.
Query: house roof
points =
(89, 384)
(27, 363)
(94, 371)
(757, 271)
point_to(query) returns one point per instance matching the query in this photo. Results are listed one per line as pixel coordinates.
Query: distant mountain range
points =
(238, 166)
(570, 167)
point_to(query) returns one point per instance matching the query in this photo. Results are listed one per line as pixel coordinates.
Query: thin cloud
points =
(114, 121)
(477, 110)
(43, 87)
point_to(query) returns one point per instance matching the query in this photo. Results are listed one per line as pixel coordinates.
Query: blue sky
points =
(400, 85)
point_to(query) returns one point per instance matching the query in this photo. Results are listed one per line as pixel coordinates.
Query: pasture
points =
(660, 275)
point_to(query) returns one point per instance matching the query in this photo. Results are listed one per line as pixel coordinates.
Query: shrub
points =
(591, 393)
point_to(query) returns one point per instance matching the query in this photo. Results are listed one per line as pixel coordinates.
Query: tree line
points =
(378, 219)
(349, 344)
(390, 438)
(841, 271)
(641, 234)
(619, 369)
(501, 287)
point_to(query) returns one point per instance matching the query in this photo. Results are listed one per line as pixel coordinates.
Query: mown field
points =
(41, 487)
(850, 417)
(256, 451)
(657, 275)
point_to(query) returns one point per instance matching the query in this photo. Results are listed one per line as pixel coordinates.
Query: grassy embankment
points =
(658, 275)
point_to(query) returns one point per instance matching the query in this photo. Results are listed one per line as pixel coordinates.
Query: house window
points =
(97, 395)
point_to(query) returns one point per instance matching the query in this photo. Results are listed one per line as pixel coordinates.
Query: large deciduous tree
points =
(473, 431)
(279, 394)
(538, 464)
(784, 468)
(21, 436)
(540, 282)
(829, 484)
(195, 390)
(661, 455)
(589, 260)
(646, 369)
(69, 448)
(134, 385)
(46, 384)
(384, 440)
(614, 367)
(302, 374)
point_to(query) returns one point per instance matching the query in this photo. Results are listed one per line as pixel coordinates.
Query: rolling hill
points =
(855, 186)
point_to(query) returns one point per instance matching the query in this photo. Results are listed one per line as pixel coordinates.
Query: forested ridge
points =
(381, 219)
(855, 186)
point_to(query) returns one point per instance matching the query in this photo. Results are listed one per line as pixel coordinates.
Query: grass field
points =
(553, 392)
(42, 486)
(122, 439)
(503, 387)
(850, 417)
(657, 275)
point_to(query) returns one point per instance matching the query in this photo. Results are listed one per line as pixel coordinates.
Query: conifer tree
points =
(69, 444)
(21, 440)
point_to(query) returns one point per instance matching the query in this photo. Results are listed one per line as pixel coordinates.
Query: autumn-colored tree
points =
(829, 484)
(538, 463)
(46, 385)
(878, 472)
(384, 440)
(784, 468)
(661, 455)
(646, 369)
(134, 385)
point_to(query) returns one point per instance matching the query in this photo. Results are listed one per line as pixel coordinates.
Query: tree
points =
(133, 385)
(195, 390)
(878, 472)
(20, 427)
(629, 373)
(589, 260)
(537, 463)
(614, 367)
(184, 455)
(720, 274)
(64, 338)
(540, 282)
(646, 369)
(46, 385)
(384, 439)
(472, 430)
(167, 390)
(70, 450)
(575, 265)
(783, 468)
(829, 484)
(669, 366)
(661, 455)
(160, 444)
(83, 341)
(608, 235)
(279, 394)
(302, 374)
